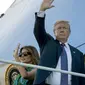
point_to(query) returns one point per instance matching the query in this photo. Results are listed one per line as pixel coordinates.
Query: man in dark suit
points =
(52, 50)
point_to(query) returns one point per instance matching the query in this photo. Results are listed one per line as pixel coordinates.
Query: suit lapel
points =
(59, 50)
(73, 55)
(74, 64)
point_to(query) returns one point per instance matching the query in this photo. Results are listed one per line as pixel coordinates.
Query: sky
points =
(16, 26)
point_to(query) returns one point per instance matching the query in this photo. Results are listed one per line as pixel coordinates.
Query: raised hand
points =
(46, 4)
(15, 53)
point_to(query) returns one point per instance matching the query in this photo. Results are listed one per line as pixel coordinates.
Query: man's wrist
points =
(42, 9)
(41, 13)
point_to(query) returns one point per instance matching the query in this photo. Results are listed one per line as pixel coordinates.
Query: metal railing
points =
(42, 67)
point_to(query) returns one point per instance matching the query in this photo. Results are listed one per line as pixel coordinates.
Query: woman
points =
(29, 55)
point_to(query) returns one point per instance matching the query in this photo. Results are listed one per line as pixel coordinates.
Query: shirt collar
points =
(66, 44)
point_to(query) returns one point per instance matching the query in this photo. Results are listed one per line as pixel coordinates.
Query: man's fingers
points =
(48, 1)
(52, 6)
(51, 1)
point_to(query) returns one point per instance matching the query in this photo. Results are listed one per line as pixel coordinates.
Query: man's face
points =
(62, 31)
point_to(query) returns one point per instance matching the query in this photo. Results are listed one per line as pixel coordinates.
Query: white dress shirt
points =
(55, 77)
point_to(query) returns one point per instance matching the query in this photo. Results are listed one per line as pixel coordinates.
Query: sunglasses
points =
(24, 54)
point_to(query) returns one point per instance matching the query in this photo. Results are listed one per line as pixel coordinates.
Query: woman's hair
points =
(34, 53)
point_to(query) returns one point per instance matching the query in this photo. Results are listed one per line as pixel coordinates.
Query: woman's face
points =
(26, 56)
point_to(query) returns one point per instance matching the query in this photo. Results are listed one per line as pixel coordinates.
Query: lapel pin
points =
(73, 51)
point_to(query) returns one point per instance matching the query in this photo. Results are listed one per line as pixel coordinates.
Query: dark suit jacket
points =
(50, 50)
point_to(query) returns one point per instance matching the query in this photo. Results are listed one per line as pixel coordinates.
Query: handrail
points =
(42, 67)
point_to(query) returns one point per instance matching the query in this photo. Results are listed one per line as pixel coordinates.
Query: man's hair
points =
(62, 21)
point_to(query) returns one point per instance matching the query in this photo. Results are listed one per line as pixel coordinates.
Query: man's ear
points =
(55, 33)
